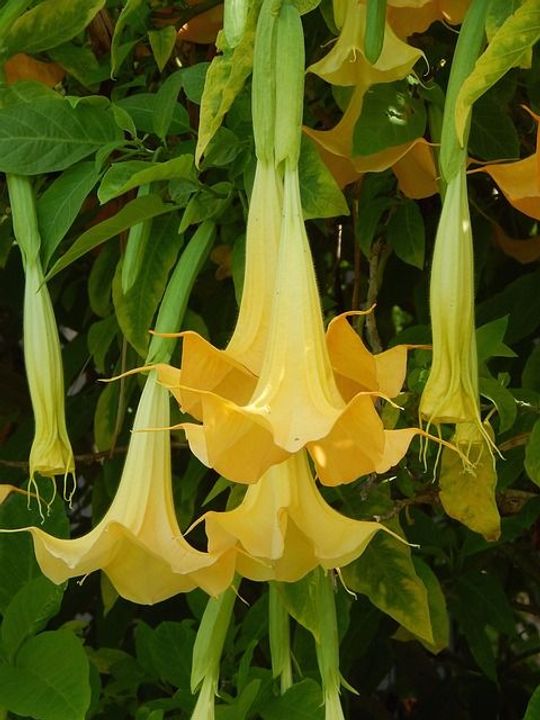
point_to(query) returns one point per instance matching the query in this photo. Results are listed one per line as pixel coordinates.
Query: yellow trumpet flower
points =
(283, 528)
(250, 423)
(231, 373)
(51, 452)
(138, 543)
(451, 393)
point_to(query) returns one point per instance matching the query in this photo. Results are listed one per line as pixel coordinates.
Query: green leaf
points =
(17, 563)
(487, 599)
(490, 340)
(100, 337)
(28, 612)
(502, 399)
(321, 196)
(532, 454)
(509, 44)
(224, 81)
(162, 43)
(82, 64)
(166, 101)
(533, 708)
(125, 176)
(385, 573)
(305, 6)
(241, 705)
(493, 134)
(206, 205)
(530, 377)
(48, 134)
(60, 204)
(108, 409)
(49, 680)
(193, 80)
(144, 106)
(50, 23)
(390, 116)
(302, 701)
(135, 310)
(300, 600)
(165, 652)
(136, 211)
(438, 614)
(130, 15)
(521, 300)
(100, 279)
(406, 234)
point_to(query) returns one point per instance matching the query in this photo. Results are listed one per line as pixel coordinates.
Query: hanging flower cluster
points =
(286, 403)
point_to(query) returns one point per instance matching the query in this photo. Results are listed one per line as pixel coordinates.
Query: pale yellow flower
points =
(283, 528)
(138, 543)
(51, 452)
(451, 393)
(250, 423)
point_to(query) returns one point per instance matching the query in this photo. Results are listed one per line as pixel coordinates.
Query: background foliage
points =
(449, 630)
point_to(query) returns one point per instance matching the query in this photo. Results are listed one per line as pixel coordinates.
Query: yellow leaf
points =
(469, 495)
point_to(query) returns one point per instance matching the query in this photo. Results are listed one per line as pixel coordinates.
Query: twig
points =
(88, 458)
(373, 291)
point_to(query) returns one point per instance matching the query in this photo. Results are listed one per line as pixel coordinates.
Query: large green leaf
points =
(321, 196)
(48, 24)
(135, 309)
(512, 40)
(136, 211)
(406, 234)
(49, 134)
(60, 204)
(48, 680)
(17, 563)
(385, 573)
(28, 612)
(390, 116)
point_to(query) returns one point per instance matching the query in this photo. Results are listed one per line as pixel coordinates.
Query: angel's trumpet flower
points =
(51, 452)
(138, 543)
(451, 393)
(283, 528)
(295, 402)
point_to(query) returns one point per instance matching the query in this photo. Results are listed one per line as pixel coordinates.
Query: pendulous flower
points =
(138, 543)
(250, 423)
(51, 452)
(283, 528)
(451, 393)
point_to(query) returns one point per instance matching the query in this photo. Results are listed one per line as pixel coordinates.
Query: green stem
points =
(279, 632)
(24, 216)
(471, 37)
(174, 303)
